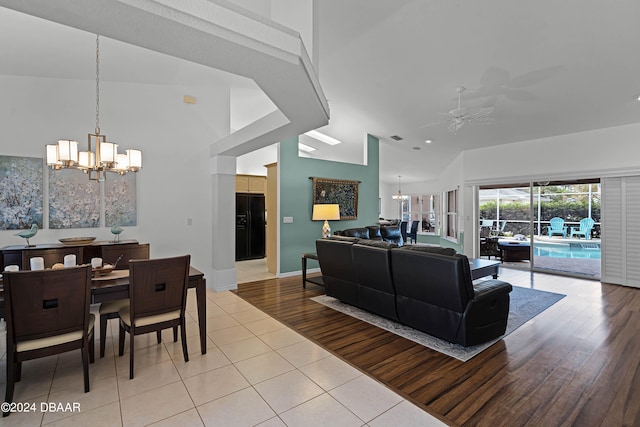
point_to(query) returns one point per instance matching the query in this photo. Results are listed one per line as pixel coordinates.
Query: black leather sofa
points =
(429, 289)
(386, 233)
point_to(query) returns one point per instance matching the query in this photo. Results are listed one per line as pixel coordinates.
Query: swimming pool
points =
(573, 250)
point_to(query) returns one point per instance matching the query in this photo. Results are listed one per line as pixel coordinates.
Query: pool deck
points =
(554, 239)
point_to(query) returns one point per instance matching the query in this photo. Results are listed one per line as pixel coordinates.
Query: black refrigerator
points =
(250, 226)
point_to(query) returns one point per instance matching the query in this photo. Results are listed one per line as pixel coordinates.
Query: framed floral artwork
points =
(74, 200)
(21, 198)
(120, 202)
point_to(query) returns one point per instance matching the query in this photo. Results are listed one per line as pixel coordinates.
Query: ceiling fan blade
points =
(495, 77)
(520, 95)
(479, 112)
(534, 77)
(430, 125)
(482, 120)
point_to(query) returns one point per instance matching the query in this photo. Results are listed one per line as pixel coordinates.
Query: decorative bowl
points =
(77, 240)
(102, 271)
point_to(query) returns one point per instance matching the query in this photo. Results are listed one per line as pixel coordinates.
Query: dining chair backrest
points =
(47, 303)
(403, 230)
(158, 286)
(51, 256)
(128, 251)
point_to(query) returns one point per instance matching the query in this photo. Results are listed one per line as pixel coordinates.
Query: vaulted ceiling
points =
(548, 68)
(392, 68)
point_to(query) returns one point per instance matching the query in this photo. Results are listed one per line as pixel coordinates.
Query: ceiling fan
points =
(461, 115)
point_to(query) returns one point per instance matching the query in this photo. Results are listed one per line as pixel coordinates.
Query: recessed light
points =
(427, 141)
(322, 137)
(305, 147)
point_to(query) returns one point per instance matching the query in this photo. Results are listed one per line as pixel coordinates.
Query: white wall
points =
(584, 154)
(175, 182)
(253, 163)
(592, 154)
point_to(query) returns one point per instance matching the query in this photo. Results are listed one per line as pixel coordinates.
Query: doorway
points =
(551, 227)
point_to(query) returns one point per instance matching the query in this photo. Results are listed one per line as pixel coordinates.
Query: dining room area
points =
(66, 358)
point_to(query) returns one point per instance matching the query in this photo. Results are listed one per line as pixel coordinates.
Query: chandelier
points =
(104, 159)
(399, 196)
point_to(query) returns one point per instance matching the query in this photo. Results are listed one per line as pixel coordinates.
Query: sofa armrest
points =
(489, 288)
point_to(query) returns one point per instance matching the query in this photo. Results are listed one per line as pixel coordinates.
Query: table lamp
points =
(326, 213)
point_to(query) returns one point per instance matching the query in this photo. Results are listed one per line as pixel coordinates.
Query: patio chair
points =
(486, 227)
(557, 227)
(500, 227)
(586, 224)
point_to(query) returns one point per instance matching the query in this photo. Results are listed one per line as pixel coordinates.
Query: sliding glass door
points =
(548, 226)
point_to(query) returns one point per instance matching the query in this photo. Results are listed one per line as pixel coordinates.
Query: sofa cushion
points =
(376, 292)
(374, 232)
(431, 249)
(362, 233)
(344, 238)
(392, 233)
(377, 243)
(338, 271)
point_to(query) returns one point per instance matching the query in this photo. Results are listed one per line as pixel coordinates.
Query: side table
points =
(316, 280)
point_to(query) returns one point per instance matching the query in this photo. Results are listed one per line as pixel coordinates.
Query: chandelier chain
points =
(97, 84)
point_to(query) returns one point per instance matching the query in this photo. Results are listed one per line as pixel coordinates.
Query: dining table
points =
(115, 285)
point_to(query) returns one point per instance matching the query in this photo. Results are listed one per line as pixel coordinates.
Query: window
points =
(423, 208)
(451, 217)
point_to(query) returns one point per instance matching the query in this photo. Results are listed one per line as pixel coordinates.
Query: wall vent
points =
(396, 137)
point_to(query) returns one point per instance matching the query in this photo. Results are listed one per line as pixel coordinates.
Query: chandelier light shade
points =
(104, 159)
(399, 198)
(326, 212)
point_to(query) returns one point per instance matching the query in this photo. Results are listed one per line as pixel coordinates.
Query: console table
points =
(17, 254)
(316, 280)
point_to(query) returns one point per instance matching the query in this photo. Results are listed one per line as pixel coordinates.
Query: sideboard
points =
(54, 252)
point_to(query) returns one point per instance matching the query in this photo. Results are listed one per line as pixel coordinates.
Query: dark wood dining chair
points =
(157, 301)
(413, 232)
(120, 255)
(47, 312)
(124, 252)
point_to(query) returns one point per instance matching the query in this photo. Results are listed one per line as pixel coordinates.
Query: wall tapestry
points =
(20, 192)
(74, 200)
(344, 193)
(120, 199)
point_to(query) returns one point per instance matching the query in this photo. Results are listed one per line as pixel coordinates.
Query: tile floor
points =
(252, 270)
(256, 372)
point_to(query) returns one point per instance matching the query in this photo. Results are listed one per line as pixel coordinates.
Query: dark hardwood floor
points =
(576, 364)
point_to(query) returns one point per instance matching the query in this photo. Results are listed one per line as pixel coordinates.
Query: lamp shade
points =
(134, 159)
(52, 155)
(87, 159)
(108, 152)
(324, 212)
(68, 150)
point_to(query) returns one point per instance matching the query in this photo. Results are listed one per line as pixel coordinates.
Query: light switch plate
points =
(287, 220)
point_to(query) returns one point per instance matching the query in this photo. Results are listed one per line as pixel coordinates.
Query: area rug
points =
(525, 304)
